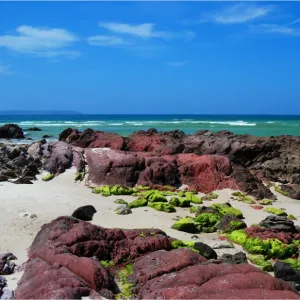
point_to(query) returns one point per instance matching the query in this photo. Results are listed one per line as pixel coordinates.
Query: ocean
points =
(124, 125)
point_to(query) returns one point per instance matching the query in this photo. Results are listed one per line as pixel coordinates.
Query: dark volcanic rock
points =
(11, 131)
(84, 213)
(206, 250)
(34, 129)
(46, 136)
(236, 259)
(292, 190)
(279, 223)
(62, 265)
(6, 265)
(229, 223)
(287, 273)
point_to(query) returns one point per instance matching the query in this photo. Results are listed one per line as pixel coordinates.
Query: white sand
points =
(62, 196)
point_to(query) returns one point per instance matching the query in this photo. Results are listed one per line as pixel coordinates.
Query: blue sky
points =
(154, 57)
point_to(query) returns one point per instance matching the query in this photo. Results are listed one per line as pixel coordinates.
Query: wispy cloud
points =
(47, 42)
(5, 69)
(176, 64)
(122, 34)
(237, 14)
(277, 29)
(107, 40)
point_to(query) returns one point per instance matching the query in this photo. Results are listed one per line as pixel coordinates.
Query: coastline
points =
(61, 196)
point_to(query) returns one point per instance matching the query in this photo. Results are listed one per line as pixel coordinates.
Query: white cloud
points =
(48, 42)
(145, 30)
(176, 63)
(238, 14)
(106, 40)
(277, 29)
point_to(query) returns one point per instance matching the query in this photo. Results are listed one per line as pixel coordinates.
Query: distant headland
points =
(39, 112)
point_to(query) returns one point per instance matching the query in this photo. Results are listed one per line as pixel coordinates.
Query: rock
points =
(23, 180)
(218, 244)
(61, 265)
(292, 190)
(180, 202)
(280, 223)
(187, 225)
(7, 294)
(46, 136)
(161, 206)
(34, 129)
(92, 139)
(238, 258)
(229, 223)
(137, 203)
(257, 207)
(123, 210)
(25, 214)
(205, 250)
(11, 131)
(3, 178)
(6, 266)
(285, 272)
(84, 213)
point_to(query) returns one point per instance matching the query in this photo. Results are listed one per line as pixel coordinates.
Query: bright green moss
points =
(97, 190)
(48, 177)
(180, 202)
(120, 190)
(275, 211)
(281, 250)
(294, 263)
(187, 225)
(123, 282)
(209, 197)
(238, 194)
(138, 203)
(234, 225)
(181, 244)
(292, 217)
(280, 191)
(155, 196)
(143, 188)
(106, 191)
(237, 236)
(225, 209)
(121, 201)
(79, 176)
(181, 193)
(194, 199)
(246, 199)
(208, 219)
(142, 234)
(261, 262)
(168, 187)
(162, 206)
(193, 209)
(107, 263)
(266, 202)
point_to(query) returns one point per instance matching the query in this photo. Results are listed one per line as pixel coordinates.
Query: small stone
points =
(122, 210)
(238, 258)
(84, 213)
(194, 237)
(25, 214)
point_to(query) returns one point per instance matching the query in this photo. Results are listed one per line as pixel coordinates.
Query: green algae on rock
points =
(121, 201)
(107, 263)
(275, 211)
(124, 284)
(180, 202)
(209, 197)
(79, 176)
(194, 199)
(207, 219)
(48, 177)
(234, 225)
(294, 263)
(227, 209)
(238, 194)
(246, 199)
(155, 196)
(266, 202)
(291, 217)
(261, 262)
(193, 209)
(162, 206)
(138, 203)
(187, 224)
(280, 191)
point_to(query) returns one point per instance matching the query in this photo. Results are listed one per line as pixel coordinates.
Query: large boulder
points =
(71, 259)
(279, 223)
(285, 272)
(11, 131)
(92, 139)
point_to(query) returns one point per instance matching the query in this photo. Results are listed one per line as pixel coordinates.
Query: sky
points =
(151, 57)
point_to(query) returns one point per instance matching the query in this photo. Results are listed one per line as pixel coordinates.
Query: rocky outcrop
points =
(92, 139)
(64, 263)
(11, 131)
(278, 223)
(285, 272)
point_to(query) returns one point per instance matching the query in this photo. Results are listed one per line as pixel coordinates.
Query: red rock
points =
(205, 173)
(215, 281)
(258, 207)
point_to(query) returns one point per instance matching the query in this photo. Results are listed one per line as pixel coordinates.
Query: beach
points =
(61, 196)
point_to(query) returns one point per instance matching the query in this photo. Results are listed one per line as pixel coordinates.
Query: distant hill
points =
(39, 112)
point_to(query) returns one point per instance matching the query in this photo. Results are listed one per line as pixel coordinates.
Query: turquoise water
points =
(126, 124)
